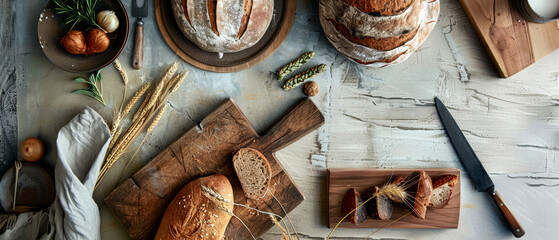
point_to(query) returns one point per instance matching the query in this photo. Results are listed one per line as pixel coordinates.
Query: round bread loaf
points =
(378, 33)
(223, 26)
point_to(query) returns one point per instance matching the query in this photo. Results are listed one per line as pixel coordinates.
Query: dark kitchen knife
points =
(474, 168)
(139, 13)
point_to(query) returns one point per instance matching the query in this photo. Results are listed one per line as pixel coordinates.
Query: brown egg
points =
(31, 149)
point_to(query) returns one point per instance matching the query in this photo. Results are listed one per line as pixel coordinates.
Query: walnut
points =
(311, 88)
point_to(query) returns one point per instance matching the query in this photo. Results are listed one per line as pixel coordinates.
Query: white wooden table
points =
(375, 118)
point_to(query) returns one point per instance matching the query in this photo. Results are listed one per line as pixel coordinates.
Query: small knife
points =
(139, 13)
(473, 166)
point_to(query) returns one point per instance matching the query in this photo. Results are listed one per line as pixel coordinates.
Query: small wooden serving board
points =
(207, 149)
(342, 179)
(512, 42)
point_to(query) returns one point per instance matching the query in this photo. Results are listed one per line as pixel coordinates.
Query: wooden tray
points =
(208, 149)
(341, 179)
(282, 20)
(512, 42)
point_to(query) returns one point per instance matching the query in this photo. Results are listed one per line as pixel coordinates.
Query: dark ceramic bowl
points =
(51, 29)
(35, 189)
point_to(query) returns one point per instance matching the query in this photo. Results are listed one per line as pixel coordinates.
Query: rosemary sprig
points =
(77, 11)
(95, 89)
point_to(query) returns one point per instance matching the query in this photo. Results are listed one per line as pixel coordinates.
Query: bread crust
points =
(451, 180)
(427, 15)
(223, 26)
(381, 7)
(423, 195)
(373, 205)
(351, 201)
(268, 167)
(193, 215)
(382, 44)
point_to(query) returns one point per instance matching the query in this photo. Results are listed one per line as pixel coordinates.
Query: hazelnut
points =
(311, 88)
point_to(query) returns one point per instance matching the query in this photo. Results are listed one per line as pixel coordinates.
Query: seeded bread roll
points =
(223, 26)
(378, 33)
(196, 212)
(254, 172)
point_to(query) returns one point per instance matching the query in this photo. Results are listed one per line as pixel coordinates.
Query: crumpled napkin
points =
(81, 145)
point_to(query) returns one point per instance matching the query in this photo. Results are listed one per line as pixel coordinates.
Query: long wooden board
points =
(207, 149)
(341, 179)
(512, 42)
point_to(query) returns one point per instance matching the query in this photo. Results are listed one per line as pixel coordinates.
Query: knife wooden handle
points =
(138, 55)
(514, 225)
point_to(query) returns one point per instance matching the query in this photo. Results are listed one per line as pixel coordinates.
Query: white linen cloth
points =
(81, 145)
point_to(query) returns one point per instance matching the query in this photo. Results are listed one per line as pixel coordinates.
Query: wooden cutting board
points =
(512, 42)
(207, 149)
(342, 179)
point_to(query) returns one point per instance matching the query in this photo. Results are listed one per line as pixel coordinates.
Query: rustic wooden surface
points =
(512, 42)
(207, 149)
(342, 179)
(374, 118)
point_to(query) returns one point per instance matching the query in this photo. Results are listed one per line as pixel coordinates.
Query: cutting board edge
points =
(483, 41)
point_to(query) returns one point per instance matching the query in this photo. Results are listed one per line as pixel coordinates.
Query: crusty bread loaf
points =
(442, 190)
(223, 26)
(352, 199)
(378, 33)
(380, 207)
(423, 195)
(254, 172)
(199, 210)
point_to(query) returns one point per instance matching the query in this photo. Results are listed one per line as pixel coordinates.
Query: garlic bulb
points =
(107, 20)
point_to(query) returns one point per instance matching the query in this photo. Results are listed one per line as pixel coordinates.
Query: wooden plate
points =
(342, 179)
(35, 188)
(282, 20)
(51, 29)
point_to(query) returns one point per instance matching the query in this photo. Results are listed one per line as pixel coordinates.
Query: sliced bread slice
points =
(254, 172)
(442, 190)
(379, 208)
(423, 195)
(352, 199)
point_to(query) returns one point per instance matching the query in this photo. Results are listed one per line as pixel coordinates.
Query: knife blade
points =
(139, 13)
(473, 166)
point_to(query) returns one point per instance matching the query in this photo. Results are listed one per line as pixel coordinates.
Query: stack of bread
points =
(378, 33)
(223, 26)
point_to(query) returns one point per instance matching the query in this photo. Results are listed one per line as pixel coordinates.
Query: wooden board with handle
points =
(512, 42)
(207, 149)
(340, 180)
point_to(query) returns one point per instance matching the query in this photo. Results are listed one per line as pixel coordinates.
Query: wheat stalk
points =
(122, 71)
(135, 98)
(153, 104)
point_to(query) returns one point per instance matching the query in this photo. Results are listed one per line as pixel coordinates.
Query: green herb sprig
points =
(294, 65)
(95, 89)
(304, 76)
(77, 11)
